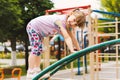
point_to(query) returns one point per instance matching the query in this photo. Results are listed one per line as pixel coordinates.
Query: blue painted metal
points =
(57, 36)
(106, 19)
(79, 57)
(109, 13)
(85, 57)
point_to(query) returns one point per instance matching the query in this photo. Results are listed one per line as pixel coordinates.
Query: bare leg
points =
(32, 60)
(38, 61)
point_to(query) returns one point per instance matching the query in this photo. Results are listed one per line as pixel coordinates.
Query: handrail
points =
(109, 13)
(57, 65)
(59, 10)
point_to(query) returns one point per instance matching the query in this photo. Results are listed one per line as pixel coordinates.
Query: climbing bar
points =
(74, 56)
(106, 19)
(60, 10)
(109, 13)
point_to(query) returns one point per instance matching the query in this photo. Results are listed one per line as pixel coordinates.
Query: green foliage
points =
(10, 20)
(110, 6)
(34, 8)
(14, 16)
(5, 56)
(31, 9)
(20, 55)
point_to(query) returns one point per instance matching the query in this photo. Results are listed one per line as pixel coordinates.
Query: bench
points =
(15, 73)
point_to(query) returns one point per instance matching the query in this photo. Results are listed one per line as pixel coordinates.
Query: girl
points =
(44, 26)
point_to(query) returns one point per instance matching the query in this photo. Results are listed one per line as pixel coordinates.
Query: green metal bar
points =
(60, 66)
(75, 55)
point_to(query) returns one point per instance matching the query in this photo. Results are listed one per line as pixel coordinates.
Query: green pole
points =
(75, 56)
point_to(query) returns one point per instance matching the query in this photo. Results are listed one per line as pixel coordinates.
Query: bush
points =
(5, 56)
(20, 55)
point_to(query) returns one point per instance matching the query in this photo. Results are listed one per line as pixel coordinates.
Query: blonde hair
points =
(80, 17)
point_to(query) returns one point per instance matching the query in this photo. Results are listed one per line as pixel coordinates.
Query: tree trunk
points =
(13, 57)
(13, 53)
(26, 55)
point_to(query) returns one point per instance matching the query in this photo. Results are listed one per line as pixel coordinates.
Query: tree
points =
(10, 23)
(31, 9)
(14, 16)
(111, 6)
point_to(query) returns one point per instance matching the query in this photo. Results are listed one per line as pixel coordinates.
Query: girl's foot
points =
(30, 75)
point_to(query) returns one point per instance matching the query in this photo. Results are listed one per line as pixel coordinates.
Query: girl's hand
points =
(73, 51)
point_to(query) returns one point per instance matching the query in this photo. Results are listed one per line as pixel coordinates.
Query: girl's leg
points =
(34, 63)
(31, 61)
(36, 48)
(38, 61)
(37, 65)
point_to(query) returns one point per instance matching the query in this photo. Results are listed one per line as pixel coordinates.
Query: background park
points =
(14, 44)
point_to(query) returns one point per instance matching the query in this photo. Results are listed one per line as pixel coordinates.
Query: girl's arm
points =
(66, 36)
(75, 42)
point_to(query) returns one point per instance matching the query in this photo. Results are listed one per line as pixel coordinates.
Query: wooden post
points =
(117, 61)
(46, 52)
(97, 54)
(91, 42)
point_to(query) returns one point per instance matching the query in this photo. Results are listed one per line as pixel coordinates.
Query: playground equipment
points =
(109, 23)
(56, 37)
(57, 65)
(82, 40)
(64, 11)
(15, 73)
(80, 35)
(93, 37)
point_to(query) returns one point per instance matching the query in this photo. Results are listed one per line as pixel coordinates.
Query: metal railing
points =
(53, 68)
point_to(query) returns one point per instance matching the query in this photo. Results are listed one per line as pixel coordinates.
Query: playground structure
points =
(15, 73)
(95, 55)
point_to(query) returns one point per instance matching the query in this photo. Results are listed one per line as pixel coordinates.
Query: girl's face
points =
(72, 20)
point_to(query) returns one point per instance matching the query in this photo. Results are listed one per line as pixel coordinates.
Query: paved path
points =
(22, 78)
(106, 73)
(7, 62)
